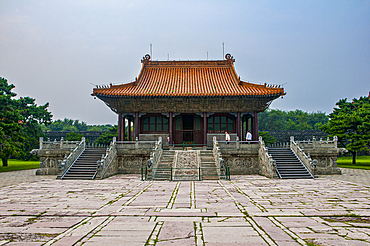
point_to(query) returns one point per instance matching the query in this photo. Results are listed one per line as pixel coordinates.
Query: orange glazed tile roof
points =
(188, 79)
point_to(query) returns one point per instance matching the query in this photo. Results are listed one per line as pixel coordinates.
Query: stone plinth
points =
(131, 160)
(242, 161)
(49, 160)
(326, 160)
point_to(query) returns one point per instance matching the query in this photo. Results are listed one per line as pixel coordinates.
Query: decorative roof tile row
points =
(188, 78)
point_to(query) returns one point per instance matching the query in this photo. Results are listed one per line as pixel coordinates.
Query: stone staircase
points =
(208, 165)
(85, 165)
(288, 165)
(163, 171)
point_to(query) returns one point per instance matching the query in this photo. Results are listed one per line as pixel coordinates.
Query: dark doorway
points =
(188, 127)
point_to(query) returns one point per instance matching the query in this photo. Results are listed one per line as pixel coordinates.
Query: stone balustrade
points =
(62, 144)
(68, 161)
(217, 155)
(107, 166)
(155, 156)
(267, 165)
(323, 144)
(323, 154)
(306, 159)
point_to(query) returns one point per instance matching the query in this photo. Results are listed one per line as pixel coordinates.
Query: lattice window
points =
(220, 123)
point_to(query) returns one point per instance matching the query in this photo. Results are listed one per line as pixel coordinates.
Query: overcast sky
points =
(57, 50)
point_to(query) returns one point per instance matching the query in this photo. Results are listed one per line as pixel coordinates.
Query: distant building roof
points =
(188, 79)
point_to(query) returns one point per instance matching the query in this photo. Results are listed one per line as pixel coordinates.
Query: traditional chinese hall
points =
(187, 101)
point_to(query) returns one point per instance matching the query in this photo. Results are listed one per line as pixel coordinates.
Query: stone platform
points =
(122, 210)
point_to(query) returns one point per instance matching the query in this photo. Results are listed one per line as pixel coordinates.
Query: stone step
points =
(288, 165)
(85, 166)
(209, 171)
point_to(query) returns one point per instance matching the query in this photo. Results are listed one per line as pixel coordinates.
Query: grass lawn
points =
(362, 162)
(14, 165)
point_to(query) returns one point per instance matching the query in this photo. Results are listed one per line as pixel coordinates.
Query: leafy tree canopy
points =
(20, 123)
(74, 126)
(267, 138)
(74, 136)
(275, 119)
(107, 137)
(350, 121)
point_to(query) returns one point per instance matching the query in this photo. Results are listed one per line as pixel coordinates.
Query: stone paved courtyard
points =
(122, 210)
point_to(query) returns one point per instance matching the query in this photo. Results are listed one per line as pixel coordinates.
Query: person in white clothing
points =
(248, 137)
(227, 137)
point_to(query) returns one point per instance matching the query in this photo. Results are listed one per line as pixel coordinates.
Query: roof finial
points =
(229, 58)
(145, 59)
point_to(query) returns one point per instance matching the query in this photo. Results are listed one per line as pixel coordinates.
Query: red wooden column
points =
(123, 131)
(170, 127)
(119, 135)
(136, 130)
(129, 128)
(238, 128)
(243, 130)
(255, 127)
(205, 129)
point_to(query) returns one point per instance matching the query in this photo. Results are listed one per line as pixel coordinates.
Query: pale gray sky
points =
(54, 50)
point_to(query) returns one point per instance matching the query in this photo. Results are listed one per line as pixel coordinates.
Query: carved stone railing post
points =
(220, 163)
(291, 141)
(61, 142)
(335, 139)
(237, 142)
(41, 142)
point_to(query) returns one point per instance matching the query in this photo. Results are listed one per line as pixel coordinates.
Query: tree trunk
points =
(354, 158)
(5, 162)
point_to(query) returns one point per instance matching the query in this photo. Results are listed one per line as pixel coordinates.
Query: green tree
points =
(107, 136)
(351, 123)
(275, 119)
(101, 128)
(74, 136)
(10, 115)
(75, 126)
(267, 138)
(271, 120)
(20, 123)
(34, 118)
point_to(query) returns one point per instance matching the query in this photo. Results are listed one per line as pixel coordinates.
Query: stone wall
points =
(324, 153)
(326, 160)
(131, 161)
(242, 161)
(284, 136)
(49, 160)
